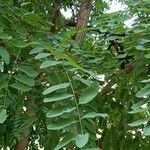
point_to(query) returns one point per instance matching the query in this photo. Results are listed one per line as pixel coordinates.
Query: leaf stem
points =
(75, 99)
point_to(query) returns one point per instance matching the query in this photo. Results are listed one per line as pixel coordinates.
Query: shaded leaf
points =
(21, 87)
(27, 70)
(18, 43)
(25, 79)
(60, 124)
(1, 65)
(55, 87)
(64, 142)
(59, 111)
(5, 55)
(89, 93)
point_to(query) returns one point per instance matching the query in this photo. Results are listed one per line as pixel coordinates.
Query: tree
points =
(81, 83)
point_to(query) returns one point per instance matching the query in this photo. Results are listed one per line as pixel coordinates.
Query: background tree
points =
(52, 94)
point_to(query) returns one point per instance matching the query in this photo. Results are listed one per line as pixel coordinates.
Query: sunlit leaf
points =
(36, 50)
(146, 131)
(42, 55)
(82, 139)
(5, 36)
(94, 114)
(3, 115)
(49, 63)
(139, 122)
(138, 110)
(57, 97)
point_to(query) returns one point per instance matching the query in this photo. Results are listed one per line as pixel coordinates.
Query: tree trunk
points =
(56, 16)
(22, 144)
(83, 18)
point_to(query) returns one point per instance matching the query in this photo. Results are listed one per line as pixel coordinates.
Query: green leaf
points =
(5, 36)
(138, 110)
(55, 88)
(49, 63)
(146, 131)
(82, 139)
(25, 79)
(42, 55)
(60, 124)
(1, 66)
(139, 122)
(5, 55)
(36, 50)
(89, 93)
(121, 55)
(147, 56)
(64, 142)
(92, 149)
(94, 114)
(145, 81)
(21, 87)
(27, 70)
(57, 97)
(143, 92)
(18, 43)
(139, 104)
(59, 111)
(3, 115)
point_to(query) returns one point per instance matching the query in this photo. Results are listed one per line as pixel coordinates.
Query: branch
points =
(56, 16)
(128, 69)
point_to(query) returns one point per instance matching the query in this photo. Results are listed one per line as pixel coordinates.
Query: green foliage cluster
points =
(56, 96)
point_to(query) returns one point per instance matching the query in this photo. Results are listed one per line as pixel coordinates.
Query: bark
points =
(22, 144)
(23, 141)
(56, 15)
(83, 18)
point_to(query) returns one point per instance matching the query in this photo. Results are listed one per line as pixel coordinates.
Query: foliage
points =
(56, 96)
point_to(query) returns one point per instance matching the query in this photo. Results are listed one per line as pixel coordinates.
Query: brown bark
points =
(22, 144)
(55, 16)
(83, 18)
(23, 141)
